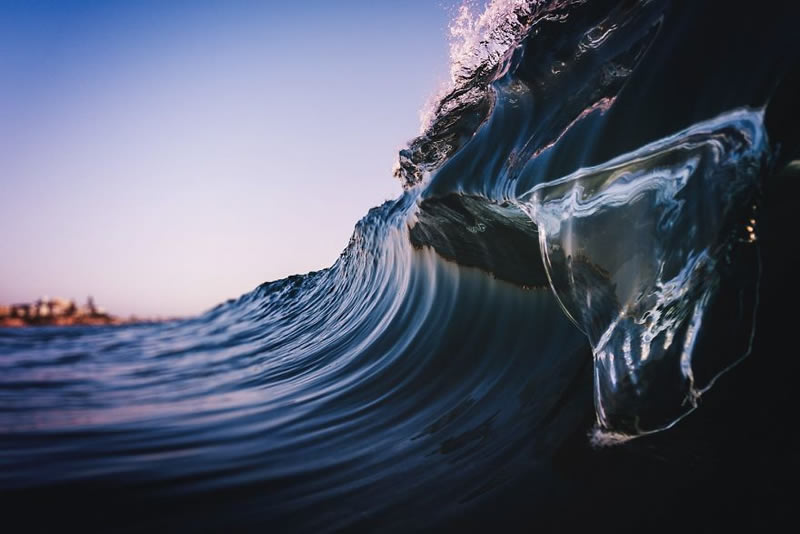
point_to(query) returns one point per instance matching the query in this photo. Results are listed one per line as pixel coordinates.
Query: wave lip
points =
(636, 250)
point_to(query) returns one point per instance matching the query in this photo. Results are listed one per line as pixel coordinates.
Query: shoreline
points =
(63, 312)
(16, 322)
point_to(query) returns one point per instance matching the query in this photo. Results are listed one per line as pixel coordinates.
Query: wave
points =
(582, 246)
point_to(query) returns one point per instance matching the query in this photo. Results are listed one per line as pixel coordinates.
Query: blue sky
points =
(166, 156)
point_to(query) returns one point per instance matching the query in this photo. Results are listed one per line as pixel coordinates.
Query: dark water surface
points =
(578, 314)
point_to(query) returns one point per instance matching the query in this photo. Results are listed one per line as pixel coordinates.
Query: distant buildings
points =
(56, 311)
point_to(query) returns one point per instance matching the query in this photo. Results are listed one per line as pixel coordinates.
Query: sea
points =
(578, 313)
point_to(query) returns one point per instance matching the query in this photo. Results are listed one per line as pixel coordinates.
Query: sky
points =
(164, 156)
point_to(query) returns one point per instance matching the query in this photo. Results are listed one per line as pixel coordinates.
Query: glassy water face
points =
(596, 224)
(636, 251)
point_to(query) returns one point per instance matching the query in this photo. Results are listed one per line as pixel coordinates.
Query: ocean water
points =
(574, 315)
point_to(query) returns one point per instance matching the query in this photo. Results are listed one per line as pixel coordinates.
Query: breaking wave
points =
(581, 247)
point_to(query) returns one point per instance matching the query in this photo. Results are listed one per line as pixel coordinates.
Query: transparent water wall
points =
(637, 250)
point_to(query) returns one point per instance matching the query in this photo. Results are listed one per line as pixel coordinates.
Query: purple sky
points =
(166, 156)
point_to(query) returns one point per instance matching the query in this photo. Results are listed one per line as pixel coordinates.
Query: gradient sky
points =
(165, 156)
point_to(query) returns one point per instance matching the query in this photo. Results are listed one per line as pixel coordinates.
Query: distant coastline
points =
(61, 312)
